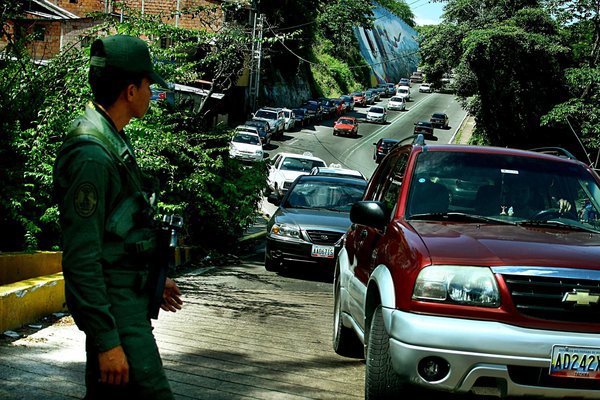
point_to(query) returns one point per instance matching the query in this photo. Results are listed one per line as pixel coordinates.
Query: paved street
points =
(244, 333)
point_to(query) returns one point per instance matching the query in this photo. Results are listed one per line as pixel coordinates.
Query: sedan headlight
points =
(286, 231)
(473, 286)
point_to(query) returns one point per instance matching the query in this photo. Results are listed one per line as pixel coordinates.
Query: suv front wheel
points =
(381, 381)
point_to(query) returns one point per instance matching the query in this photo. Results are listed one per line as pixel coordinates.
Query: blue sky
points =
(426, 12)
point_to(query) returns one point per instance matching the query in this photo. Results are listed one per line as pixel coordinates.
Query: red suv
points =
(473, 269)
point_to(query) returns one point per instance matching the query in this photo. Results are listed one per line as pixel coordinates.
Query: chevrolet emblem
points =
(580, 297)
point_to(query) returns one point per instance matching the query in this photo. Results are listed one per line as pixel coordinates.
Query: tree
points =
(507, 58)
(580, 115)
(400, 9)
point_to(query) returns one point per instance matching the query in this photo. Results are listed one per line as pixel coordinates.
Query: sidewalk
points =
(465, 131)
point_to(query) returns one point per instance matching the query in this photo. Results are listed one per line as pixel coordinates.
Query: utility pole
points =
(256, 55)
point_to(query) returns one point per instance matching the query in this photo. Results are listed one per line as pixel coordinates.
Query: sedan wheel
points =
(381, 382)
(345, 341)
(272, 266)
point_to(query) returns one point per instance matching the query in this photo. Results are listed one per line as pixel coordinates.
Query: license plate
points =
(575, 362)
(322, 251)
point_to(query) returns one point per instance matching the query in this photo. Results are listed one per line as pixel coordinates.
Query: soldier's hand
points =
(171, 296)
(114, 368)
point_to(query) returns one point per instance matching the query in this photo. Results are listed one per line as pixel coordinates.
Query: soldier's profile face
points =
(141, 100)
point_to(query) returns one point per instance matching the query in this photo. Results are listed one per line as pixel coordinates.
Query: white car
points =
(377, 114)
(425, 88)
(397, 103)
(286, 167)
(247, 146)
(290, 119)
(404, 92)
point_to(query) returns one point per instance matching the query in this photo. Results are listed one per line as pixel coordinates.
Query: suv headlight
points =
(286, 231)
(473, 286)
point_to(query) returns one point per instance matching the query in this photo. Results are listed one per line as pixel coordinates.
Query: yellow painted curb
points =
(31, 299)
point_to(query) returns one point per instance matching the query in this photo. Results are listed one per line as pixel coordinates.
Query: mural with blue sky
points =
(390, 48)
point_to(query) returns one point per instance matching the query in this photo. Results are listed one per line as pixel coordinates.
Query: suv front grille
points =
(542, 297)
(324, 237)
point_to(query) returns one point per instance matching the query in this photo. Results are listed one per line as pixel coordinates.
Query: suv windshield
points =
(509, 188)
(265, 114)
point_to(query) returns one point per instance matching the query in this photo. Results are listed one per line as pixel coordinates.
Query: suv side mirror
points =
(373, 214)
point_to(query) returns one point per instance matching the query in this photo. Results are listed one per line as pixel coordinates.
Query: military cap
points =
(127, 53)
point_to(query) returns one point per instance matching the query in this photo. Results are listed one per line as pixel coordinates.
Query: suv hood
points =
(479, 244)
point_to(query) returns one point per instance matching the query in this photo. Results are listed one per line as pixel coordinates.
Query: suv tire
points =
(381, 381)
(345, 341)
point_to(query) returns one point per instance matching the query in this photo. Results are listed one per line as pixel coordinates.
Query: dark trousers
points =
(147, 379)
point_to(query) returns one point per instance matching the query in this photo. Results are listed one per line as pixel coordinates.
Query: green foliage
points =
(218, 197)
(337, 18)
(400, 9)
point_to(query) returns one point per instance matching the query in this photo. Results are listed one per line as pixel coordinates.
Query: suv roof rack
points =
(555, 151)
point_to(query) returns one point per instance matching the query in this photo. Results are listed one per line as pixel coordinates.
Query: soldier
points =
(109, 238)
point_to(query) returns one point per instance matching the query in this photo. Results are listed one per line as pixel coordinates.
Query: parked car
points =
(370, 96)
(391, 88)
(360, 98)
(346, 126)
(457, 299)
(425, 87)
(377, 114)
(404, 92)
(348, 102)
(264, 129)
(275, 118)
(375, 93)
(379, 93)
(439, 120)
(246, 146)
(314, 110)
(285, 167)
(337, 170)
(424, 127)
(289, 118)
(386, 90)
(416, 77)
(340, 107)
(301, 117)
(397, 103)
(310, 223)
(404, 82)
(328, 106)
(382, 147)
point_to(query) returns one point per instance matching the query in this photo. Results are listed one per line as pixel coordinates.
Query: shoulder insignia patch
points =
(85, 200)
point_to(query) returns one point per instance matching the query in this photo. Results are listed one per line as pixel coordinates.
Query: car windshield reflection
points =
(528, 191)
(332, 195)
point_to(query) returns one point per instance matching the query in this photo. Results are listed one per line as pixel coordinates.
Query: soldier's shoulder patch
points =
(85, 200)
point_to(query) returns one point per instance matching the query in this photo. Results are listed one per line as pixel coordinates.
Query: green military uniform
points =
(107, 243)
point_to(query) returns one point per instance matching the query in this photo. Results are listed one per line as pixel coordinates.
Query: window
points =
(73, 1)
(39, 33)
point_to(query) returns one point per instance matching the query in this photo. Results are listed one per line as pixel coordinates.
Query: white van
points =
(404, 92)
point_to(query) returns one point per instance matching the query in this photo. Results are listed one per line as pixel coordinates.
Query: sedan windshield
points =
(513, 189)
(300, 164)
(246, 138)
(336, 195)
(346, 121)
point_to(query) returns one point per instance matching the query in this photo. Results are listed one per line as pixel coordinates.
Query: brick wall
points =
(81, 7)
